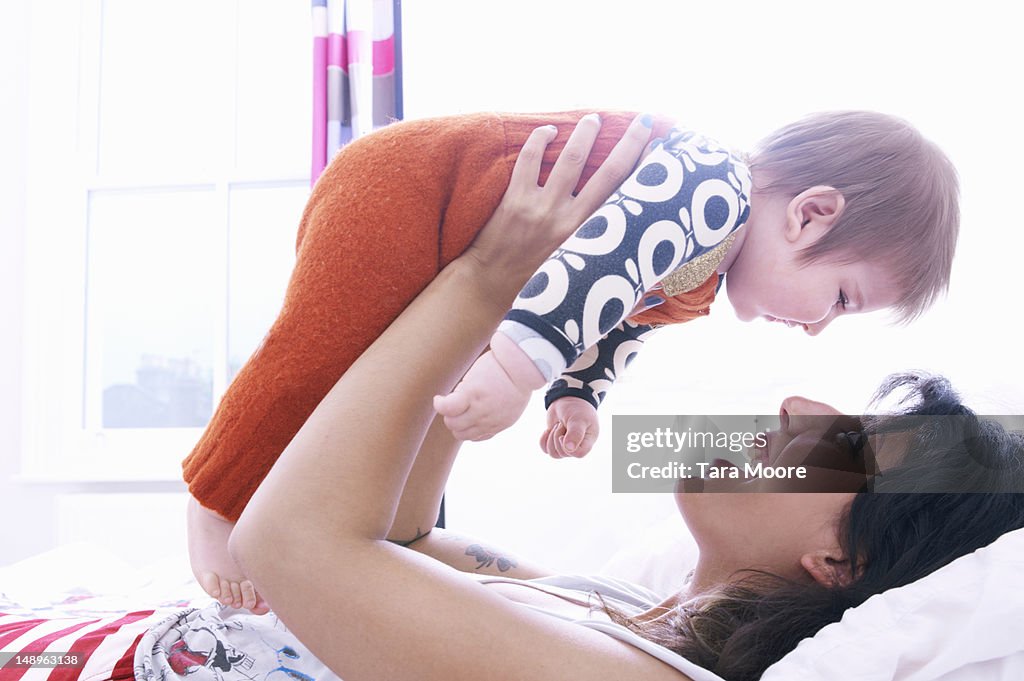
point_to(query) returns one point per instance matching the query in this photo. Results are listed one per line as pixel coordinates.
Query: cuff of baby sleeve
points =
(545, 355)
(557, 392)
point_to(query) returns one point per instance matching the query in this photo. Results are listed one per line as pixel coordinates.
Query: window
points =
(170, 165)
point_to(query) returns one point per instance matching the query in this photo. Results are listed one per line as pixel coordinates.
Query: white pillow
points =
(964, 621)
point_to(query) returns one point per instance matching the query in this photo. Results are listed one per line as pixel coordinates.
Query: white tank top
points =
(624, 596)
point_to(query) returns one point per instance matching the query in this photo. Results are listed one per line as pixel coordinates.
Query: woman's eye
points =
(852, 441)
(842, 300)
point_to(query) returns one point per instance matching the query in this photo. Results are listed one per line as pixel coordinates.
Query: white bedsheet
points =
(963, 623)
(83, 579)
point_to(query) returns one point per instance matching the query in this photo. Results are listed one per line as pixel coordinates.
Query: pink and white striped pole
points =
(319, 156)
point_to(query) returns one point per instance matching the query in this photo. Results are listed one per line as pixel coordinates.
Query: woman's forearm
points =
(469, 554)
(414, 521)
(421, 497)
(351, 449)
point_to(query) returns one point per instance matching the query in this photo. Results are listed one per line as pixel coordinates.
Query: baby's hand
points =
(572, 428)
(493, 394)
(484, 403)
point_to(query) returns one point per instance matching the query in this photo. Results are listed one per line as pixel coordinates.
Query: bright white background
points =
(734, 70)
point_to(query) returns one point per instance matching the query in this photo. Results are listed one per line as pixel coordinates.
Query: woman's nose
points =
(794, 412)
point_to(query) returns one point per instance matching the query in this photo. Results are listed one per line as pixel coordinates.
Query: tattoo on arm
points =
(485, 557)
(420, 534)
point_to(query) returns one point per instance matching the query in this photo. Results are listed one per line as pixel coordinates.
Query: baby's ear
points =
(813, 211)
(828, 568)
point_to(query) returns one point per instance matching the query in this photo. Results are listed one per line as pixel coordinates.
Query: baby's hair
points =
(901, 192)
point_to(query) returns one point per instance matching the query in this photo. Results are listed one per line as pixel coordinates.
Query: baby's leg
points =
(386, 216)
(390, 212)
(212, 565)
(352, 277)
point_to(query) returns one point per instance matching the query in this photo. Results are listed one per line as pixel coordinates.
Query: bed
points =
(108, 620)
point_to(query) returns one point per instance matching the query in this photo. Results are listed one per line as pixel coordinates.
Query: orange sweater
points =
(417, 192)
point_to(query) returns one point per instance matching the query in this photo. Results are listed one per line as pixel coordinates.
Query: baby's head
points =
(852, 211)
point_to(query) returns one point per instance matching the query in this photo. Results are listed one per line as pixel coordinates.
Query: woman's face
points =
(762, 523)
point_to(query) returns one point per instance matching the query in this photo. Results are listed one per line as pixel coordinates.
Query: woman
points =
(365, 473)
(733, 626)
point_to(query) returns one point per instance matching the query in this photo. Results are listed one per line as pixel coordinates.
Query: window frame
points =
(64, 440)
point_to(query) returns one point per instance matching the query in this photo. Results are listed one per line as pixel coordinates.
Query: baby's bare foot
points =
(214, 568)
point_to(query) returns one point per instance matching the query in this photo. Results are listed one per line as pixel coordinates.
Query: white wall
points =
(20, 532)
(35, 516)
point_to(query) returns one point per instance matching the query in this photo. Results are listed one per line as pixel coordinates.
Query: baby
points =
(850, 212)
(838, 213)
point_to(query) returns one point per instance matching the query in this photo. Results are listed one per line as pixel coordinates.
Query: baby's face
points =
(807, 296)
(769, 280)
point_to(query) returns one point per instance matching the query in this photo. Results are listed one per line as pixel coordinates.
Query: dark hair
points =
(895, 538)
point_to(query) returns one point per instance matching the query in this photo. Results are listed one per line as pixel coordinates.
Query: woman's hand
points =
(532, 220)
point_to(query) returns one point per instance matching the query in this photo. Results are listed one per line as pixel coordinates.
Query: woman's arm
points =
(313, 538)
(468, 554)
(421, 497)
(418, 508)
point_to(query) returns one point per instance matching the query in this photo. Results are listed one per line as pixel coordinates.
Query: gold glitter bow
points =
(695, 272)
